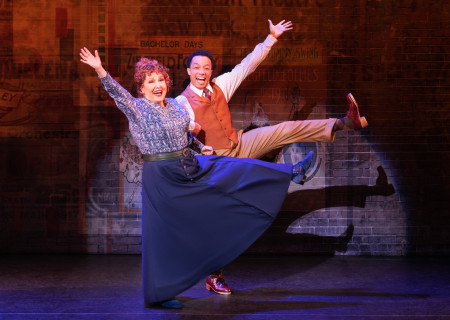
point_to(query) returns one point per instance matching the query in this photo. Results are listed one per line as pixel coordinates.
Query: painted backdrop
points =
(70, 171)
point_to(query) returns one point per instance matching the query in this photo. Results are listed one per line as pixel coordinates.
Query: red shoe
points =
(217, 284)
(353, 114)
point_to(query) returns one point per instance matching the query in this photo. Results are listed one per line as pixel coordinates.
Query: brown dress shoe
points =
(217, 284)
(353, 114)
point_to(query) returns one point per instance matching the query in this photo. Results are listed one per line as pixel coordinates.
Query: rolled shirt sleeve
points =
(230, 81)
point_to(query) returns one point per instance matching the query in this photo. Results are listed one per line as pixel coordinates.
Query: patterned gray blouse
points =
(155, 129)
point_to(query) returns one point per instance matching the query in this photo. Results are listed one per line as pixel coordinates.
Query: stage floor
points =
(265, 287)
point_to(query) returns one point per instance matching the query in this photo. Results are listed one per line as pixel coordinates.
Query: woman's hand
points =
(93, 61)
(207, 151)
(280, 28)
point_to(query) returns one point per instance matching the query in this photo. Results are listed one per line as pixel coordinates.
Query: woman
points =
(192, 205)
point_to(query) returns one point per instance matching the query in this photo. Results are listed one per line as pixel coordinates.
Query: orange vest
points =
(214, 117)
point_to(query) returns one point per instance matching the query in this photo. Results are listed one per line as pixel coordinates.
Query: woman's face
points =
(154, 88)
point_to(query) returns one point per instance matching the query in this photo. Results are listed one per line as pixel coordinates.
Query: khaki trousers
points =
(258, 142)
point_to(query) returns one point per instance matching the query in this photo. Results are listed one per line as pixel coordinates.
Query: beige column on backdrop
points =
(91, 32)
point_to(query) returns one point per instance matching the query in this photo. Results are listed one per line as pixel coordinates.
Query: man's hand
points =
(280, 28)
(207, 151)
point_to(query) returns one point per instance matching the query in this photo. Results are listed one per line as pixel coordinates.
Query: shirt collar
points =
(198, 91)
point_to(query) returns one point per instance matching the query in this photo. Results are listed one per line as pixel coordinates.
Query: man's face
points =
(200, 71)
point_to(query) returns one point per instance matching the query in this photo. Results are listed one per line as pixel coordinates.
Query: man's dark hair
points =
(201, 52)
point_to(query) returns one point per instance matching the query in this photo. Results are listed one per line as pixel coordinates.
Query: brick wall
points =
(70, 172)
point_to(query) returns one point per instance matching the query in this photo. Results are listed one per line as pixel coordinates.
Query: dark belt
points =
(166, 155)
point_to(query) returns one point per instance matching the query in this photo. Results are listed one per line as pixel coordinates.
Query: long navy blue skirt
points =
(200, 213)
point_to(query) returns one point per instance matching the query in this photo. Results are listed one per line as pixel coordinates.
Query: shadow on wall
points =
(277, 240)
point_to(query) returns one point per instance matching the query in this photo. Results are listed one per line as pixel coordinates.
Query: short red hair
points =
(146, 67)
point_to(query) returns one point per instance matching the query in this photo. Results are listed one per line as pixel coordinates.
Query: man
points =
(212, 123)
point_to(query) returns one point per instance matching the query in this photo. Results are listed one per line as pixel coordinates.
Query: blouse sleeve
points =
(124, 100)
